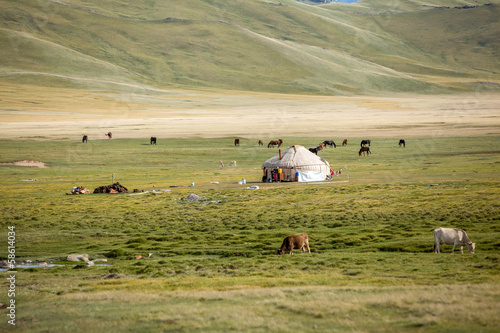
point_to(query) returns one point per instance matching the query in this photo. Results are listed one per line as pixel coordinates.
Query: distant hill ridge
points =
(368, 47)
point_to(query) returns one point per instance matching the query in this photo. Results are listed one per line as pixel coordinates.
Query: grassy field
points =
(214, 265)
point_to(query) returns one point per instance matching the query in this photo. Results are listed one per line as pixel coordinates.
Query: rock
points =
(78, 257)
(193, 197)
(103, 260)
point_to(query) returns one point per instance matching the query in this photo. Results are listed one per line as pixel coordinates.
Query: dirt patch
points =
(28, 163)
(113, 188)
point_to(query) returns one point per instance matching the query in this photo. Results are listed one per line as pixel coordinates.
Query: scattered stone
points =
(78, 257)
(192, 198)
(103, 260)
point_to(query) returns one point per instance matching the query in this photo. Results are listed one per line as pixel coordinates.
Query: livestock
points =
(330, 143)
(261, 143)
(236, 142)
(452, 236)
(365, 150)
(232, 163)
(221, 164)
(315, 150)
(365, 142)
(298, 241)
(84, 139)
(344, 143)
(152, 141)
(273, 143)
(402, 142)
(109, 135)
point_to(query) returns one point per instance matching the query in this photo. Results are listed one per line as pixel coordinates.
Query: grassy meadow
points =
(214, 265)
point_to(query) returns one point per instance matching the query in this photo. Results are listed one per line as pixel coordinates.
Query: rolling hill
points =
(371, 47)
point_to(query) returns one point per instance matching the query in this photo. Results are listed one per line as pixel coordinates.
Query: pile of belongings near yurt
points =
(113, 188)
(78, 190)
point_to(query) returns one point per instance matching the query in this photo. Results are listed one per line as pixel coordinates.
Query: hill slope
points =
(287, 47)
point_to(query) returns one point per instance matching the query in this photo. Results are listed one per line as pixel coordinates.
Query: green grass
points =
(214, 265)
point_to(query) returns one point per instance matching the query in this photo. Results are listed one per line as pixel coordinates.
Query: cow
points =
(109, 135)
(330, 143)
(365, 150)
(402, 143)
(344, 143)
(152, 141)
(365, 142)
(236, 142)
(298, 241)
(261, 143)
(452, 236)
(84, 139)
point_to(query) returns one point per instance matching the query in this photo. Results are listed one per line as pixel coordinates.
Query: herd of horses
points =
(364, 150)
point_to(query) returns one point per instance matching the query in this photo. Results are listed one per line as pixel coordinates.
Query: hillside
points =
(368, 47)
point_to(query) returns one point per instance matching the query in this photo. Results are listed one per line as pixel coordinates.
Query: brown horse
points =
(261, 143)
(236, 142)
(85, 138)
(273, 143)
(344, 143)
(365, 150)
(109, 135)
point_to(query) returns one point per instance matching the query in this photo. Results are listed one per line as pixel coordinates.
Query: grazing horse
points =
(261, 143)
(152, 141)
(109, 135)
(365, 150)
(273, 143)
(84, 139)
(344, 143)
(236, 142)
(315, 150)
(330, 143)
(402, 142)
(365, 142)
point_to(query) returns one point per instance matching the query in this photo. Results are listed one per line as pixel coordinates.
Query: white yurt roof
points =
(297, 157)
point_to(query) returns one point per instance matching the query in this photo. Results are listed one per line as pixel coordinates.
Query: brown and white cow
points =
(298, 241)
(453, 237)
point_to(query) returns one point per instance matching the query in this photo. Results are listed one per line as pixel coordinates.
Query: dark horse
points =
(84, 139)
(109, 135)
(236, 142)
(315, 150)
(152, 141)
(261, 143)
(344, 143)
(365, 150)
(330, 143)
(365, 142)
(402, 142)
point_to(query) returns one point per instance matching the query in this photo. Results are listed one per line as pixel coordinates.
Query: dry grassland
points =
(34, 112)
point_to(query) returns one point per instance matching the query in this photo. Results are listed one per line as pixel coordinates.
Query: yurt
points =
(296, 163)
